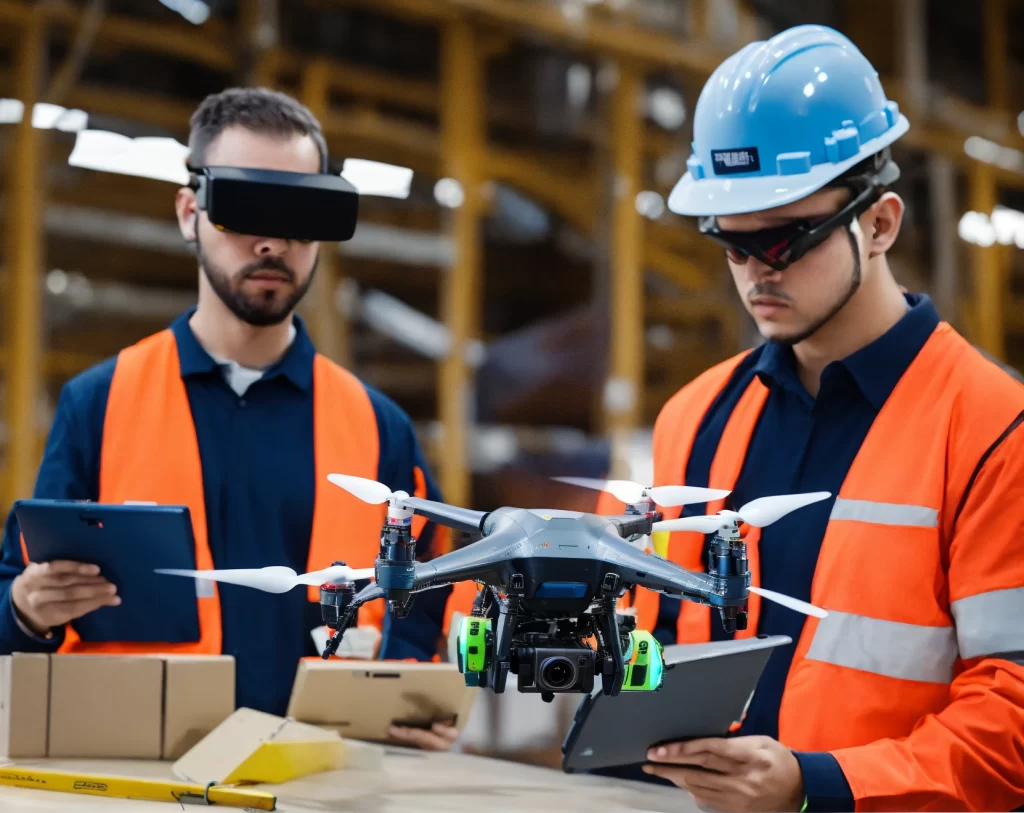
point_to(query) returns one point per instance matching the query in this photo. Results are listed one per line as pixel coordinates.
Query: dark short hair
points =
(261, 110)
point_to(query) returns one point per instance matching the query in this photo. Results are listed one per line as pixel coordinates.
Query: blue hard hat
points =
(780, 119)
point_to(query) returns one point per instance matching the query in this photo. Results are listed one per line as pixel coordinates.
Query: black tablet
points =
(706, 688)
(128, 543)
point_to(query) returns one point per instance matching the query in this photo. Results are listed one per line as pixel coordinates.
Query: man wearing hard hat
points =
(909, 695)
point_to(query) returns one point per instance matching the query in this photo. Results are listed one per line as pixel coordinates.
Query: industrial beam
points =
(463, 138)
(989, 277)
(177, 40)
(329, 327)
(24, 262)
(624, 388)
(996, 51)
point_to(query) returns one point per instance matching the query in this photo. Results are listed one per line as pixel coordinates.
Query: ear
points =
(187, 210)
(881, 223)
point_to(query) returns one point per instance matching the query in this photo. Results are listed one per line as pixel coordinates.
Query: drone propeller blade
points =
(273, 579)
(685, 495)
(766, 510)
(369, 491)
(334, 574)
(622, 490)
(629, 492)
(789, 601)
(706, 525)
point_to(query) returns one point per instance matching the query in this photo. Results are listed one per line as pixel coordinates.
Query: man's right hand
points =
(53, 593)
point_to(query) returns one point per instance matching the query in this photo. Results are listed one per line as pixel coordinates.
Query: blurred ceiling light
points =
(578, 81)
(161, 159)
(448, 192)
(375, 178)
(666, 107)
(57, 281)
(195, 11)
(981, 149)
(1005, 226)
(650, 204)
(44, 116)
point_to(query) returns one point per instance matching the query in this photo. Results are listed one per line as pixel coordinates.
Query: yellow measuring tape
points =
(124, 787)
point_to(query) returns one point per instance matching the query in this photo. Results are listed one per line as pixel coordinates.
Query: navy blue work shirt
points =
(800, 444)
(258, 481)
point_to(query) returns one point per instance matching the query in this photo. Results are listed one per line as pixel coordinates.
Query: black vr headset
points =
(311, 207)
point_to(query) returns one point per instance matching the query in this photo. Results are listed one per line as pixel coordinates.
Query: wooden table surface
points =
(409, 780)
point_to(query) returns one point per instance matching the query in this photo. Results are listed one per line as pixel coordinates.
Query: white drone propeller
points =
(759, 513)
(276, 578)
(629, 492)
(367, 490)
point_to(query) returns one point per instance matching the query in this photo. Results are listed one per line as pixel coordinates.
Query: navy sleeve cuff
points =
(825, 784)
(16, 638)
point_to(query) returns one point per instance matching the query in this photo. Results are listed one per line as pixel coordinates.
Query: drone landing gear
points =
(613, 672)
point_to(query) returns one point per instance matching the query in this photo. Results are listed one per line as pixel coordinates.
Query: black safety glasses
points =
(781, 246)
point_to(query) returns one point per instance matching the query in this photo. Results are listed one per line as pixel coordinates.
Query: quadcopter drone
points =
(551, 581)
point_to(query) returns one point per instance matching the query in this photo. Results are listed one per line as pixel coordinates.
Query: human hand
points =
(50, 594)
(440, 737)
(734, 774)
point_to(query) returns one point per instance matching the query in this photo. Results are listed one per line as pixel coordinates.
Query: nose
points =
(271, 246)
(760, 272)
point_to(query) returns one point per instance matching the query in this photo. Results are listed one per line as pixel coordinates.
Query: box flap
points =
(255, 747)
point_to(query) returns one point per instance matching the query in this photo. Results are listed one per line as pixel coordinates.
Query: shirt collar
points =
(876, 367)
(296, 365)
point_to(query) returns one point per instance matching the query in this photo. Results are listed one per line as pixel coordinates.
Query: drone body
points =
(552, 580)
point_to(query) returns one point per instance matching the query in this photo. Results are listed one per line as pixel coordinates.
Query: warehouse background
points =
(516, 282)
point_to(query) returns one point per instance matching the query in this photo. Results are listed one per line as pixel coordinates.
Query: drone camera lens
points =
(558, 673)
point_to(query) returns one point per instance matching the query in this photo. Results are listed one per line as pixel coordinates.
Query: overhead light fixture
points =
(650, 204)
(195, 11)
(1005, 226)
(981, 149)
(375, 178)
(44, 116)
(449, 193)
(162, 159)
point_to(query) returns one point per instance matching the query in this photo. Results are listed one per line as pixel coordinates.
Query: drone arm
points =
(452, 516)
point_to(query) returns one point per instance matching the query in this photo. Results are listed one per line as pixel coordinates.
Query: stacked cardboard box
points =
(111, 706)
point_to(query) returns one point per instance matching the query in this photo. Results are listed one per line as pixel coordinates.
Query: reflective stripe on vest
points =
(897, 630)
(150, 453)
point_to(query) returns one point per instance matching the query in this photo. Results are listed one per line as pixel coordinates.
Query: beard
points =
(814, 327)
(262, 308)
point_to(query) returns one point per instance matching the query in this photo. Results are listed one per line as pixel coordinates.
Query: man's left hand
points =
(440, 737)
(734, 774)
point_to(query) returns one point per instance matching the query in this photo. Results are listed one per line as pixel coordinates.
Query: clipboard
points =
(706, 689)
(128, 542)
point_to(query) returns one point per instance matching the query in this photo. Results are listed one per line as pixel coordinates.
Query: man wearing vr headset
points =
(232, 412)
(909, 695)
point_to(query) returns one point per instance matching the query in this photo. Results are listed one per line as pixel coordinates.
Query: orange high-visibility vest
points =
(150, 453)
(922, 572)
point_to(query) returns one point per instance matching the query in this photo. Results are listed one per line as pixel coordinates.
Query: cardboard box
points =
(106, 706)
(361, 699)
(112, 706)
(199, 694)
(24, 699)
